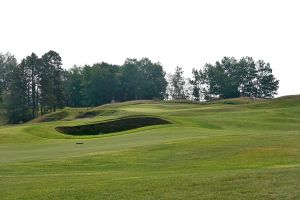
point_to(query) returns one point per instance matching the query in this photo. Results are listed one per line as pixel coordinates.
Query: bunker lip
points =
(112, 126)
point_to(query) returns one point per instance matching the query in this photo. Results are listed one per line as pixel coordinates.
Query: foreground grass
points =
(237, 149)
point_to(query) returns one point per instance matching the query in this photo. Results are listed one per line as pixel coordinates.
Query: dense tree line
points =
(103, 83)
(31, 88)
(39, 85)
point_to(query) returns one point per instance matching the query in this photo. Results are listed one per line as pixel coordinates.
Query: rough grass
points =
(248, 149)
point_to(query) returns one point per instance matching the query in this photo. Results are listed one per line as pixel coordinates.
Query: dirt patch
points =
(121, 124)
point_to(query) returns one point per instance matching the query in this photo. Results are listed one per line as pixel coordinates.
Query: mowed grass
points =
(233, 149)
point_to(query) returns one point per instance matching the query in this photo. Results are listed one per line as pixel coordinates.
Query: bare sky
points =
(187, 33)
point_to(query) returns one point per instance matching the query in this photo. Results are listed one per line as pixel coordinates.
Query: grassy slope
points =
(234, 149)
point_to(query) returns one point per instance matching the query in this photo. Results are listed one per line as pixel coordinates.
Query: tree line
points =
(39, 85)
(103, 83)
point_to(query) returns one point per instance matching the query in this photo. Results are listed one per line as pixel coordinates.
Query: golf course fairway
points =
(228, 149)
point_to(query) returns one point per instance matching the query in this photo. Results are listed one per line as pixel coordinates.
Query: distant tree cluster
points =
(228, 78)
(39, 85)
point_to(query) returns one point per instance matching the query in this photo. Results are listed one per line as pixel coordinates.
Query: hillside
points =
(230, 149)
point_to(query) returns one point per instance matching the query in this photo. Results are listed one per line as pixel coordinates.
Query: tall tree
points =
(177, 84)
(266, 85)
(99, 84)
(7, 64)
(74, 87)
(32, 67)
(152, 79)
(247, 74)
(51, 82)
(197, 82)
(130, 80)
(15, 97)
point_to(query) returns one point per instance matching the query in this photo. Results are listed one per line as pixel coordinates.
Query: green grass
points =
(232, 149)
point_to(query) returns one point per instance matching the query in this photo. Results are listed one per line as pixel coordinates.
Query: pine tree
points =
(14, 99)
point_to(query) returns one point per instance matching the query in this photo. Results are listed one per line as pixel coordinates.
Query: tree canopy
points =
(103, 83)
(231, 78)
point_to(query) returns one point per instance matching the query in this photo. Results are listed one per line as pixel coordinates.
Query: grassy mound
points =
(65, 114)
(59, 115)
(111, 126)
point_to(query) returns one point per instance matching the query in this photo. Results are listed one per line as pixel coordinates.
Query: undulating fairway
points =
(231, 149)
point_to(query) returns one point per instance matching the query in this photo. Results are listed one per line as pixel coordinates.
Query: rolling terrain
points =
(229, 149)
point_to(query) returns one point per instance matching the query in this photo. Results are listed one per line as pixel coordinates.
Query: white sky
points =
(187, 33)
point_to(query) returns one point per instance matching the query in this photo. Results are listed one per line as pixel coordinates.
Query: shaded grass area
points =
(112, 126)
(239, 149)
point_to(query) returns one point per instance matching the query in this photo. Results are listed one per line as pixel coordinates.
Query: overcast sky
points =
(187, 33)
